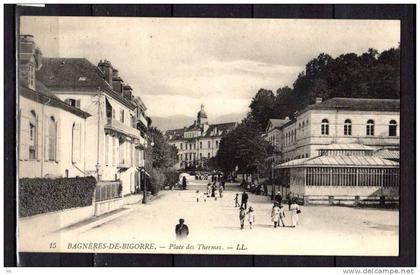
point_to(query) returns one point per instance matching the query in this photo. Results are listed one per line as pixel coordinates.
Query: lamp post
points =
(272, 180)
(144, 200)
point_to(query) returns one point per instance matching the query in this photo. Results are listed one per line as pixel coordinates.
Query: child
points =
(251, 217)
(242, 215)
(216, 193)
(197, 194)
(275, 214)
(221, 191)
(236, 199)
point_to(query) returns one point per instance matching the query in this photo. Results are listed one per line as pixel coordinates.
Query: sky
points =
(177, 64)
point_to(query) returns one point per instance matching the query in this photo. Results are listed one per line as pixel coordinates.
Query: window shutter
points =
(57, 141)
(38, 138)
(46, 138)
(24, 138)
(78, 103)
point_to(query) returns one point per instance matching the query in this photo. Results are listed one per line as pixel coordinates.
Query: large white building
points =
(198, 142)
(342, 147)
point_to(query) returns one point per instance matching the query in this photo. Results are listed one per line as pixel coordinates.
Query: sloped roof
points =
(222, 128)
(387, 154)
(339, 161)
(346, 147)
(276, 123)
(357, 104)
(42, 95)
(76, 74)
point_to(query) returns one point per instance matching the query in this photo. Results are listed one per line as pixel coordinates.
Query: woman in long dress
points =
(294, 210)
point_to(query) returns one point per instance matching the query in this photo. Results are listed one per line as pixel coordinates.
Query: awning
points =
(339, 161)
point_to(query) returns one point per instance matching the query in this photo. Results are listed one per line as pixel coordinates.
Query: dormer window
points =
(73, 102)
(31, 76)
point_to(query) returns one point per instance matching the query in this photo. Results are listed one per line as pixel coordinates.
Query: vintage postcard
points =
(208, 136)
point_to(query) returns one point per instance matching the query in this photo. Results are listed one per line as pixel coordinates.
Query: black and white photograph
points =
(208, 136)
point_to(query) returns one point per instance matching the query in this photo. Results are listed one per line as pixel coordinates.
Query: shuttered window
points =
(52, 139)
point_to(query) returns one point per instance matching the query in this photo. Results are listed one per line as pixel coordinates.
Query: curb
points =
(98, 222)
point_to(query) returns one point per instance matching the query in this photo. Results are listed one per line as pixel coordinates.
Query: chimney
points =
(318, 100)
(116, 81)
(106, 68)
(127, 91)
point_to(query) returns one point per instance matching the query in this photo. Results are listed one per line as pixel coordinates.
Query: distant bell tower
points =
(202, 116)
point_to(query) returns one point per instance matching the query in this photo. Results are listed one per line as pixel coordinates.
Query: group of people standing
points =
(278, 214)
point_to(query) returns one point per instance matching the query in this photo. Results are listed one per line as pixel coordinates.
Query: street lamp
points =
(144, 200)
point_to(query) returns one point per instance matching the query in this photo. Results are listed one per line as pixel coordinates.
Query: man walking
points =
(184, 183)
(278, 198)
(244, 200)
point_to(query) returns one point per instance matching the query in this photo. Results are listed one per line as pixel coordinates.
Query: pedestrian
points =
(242, 215)
(275, 214)
(197, 194)
(295, 211)
(282, 215)
(184, 183)
(251, 217)
(181, 229)
(221, 191)
(278, 198)
(236, 199)
(244, 199)
(289, 199)
(208, 190)
(216, 192)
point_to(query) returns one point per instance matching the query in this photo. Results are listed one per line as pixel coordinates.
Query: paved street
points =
(322, 229)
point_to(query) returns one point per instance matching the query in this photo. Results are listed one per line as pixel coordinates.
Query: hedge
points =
(40, 195)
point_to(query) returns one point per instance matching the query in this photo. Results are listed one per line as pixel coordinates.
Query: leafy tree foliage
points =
(369, 75)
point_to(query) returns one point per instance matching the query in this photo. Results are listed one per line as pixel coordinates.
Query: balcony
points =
(142, 121)
(117, 126)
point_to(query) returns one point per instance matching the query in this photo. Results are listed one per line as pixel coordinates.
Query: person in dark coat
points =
(184, 182)
(181, 230)
(278, 198)
(289, 199)
(213, 188)
(244, 200)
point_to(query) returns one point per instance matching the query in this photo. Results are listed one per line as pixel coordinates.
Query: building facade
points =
(47, 125)
(342, 147)
(116, 132)
(199, 142)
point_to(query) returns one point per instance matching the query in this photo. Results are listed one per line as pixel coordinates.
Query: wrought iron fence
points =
(108, 190)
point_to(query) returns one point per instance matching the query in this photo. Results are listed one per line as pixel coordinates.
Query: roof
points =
(222, 128)
(356, 104)
(387, 154)
(339, 161)
(76, 74)
(44, 96)
(276, 123)
(346, 147)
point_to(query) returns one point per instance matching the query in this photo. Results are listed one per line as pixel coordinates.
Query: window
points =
(52, 139)
(32, 136)
(132, 121)
(181, 146)
(31, 76)
(208, 144)
(392, 128)
(201, 156)
(201, 145)
(190, 147)
(73, 102)
(347, 127)
(208, 155)
(217, 144)
(122, 115)
(325, 131)
(370, 128)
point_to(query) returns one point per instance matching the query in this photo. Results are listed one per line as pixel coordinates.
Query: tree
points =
(244, 147)
(262, 107)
